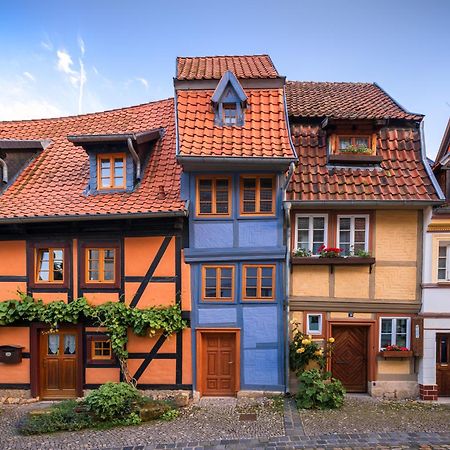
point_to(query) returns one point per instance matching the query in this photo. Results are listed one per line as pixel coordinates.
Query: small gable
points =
(229, 101)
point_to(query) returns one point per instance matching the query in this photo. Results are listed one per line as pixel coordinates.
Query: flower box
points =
(340, 261)
(355, 158)
(396, 354)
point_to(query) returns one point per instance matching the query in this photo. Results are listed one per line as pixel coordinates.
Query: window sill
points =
(396, 354)
(354, 159)
(341, 261)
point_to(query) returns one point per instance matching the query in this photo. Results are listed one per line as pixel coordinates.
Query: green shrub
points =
(61, 417)
(112, 401)
(170, 414)
(319, 390)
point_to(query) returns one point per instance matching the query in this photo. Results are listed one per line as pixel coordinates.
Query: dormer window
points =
(229, 102)
(111, 171)
(230, 114)
(353, 148)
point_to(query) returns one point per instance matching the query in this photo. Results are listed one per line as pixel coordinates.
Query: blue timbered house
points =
(234, 147)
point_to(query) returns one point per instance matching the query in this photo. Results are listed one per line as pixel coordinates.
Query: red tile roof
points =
(54, 183)
(343, 101)
(264, 134)
(402, 175)
(213, 67)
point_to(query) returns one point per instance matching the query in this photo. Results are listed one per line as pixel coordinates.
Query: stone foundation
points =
(394, 390)
(428, 391)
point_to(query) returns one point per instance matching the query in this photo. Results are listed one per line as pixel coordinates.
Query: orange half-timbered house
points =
(90, 206)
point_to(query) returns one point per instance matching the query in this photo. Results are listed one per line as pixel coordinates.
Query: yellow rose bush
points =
(303, 350)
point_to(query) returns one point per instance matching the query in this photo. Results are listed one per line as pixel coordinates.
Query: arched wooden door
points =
(59, 359)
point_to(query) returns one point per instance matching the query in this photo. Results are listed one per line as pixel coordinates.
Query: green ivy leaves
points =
(116, 317)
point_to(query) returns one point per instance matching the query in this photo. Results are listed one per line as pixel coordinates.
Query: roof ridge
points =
(367, 83)
(96, 113)
(226, 56)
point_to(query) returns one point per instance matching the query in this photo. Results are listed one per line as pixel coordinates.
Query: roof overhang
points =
(93, 217)
(361, 204)
(20, 144)
(139, 138)
(191, 163)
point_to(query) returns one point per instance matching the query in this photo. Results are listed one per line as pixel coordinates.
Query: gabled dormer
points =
(116, 161)
(15, 155)
(229, 101)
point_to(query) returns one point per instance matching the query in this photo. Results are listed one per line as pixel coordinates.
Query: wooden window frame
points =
(51, 279)
(257, 195)
(447, 264)
(111, 157)
(84, 246)
(394, 330)
(32, 264)
(214, 180)
(91, 357)
(321, 327)
(218, 283)
(352, 218)
(336, 143)
(101, 268)
(259, 297)
(311, 230)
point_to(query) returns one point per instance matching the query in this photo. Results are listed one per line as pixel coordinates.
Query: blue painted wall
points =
(240, 240)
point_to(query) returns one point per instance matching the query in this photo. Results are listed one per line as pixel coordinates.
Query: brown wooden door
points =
(443, 364)
(59, 363)
(219, 364)
(349, 358)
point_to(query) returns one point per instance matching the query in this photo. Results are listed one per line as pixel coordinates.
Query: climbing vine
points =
(116, 317)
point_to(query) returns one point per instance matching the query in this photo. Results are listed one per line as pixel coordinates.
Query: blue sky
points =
(62, 57)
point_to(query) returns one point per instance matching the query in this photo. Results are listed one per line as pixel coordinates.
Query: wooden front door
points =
(443, 364)
(349, 358)
(219, 364)
(58, 364)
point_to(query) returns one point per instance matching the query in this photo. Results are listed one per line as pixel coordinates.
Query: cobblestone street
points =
(219, 424)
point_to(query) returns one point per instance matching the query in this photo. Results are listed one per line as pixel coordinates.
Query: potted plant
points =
(360, 149)
(329, 252)
(301, 253)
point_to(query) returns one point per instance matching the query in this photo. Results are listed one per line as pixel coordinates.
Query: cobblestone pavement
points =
(220, 420)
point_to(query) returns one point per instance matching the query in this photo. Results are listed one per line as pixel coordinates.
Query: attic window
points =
(230, 114)
(111, 171)
(354, 145)
(351, 149)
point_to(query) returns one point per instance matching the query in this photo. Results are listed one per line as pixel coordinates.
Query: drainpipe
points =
(4, 170)
(135, 158)
(287, 217)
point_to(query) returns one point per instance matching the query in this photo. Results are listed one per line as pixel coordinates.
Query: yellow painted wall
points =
(394, 275)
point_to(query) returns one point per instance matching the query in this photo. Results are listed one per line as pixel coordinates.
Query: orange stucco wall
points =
(13, 258)
(100, 375)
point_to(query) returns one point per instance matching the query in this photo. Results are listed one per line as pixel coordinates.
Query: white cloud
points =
(47, 45)
(143, 81)
(77, 78)
(17, 109)
(29, 76)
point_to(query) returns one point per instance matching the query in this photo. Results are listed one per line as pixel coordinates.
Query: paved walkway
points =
(295, 438)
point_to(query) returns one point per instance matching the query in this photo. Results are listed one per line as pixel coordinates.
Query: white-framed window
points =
(314, 324)
(444, 262)
(395, 331)
(353, 233)
(311, 232)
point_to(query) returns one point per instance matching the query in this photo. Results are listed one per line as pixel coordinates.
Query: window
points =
(111, 171)
(230, 114)
(257, 195)
(218, 283)
(259, 282)
(213, 196)
(314, 324)
(99, 350)
(353, 234)
(353, 142)
(444, 263)
(311, 232)
(100, 265)
(394, 331)
(49, 265)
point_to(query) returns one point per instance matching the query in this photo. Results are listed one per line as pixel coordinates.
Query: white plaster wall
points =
(436, 300)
